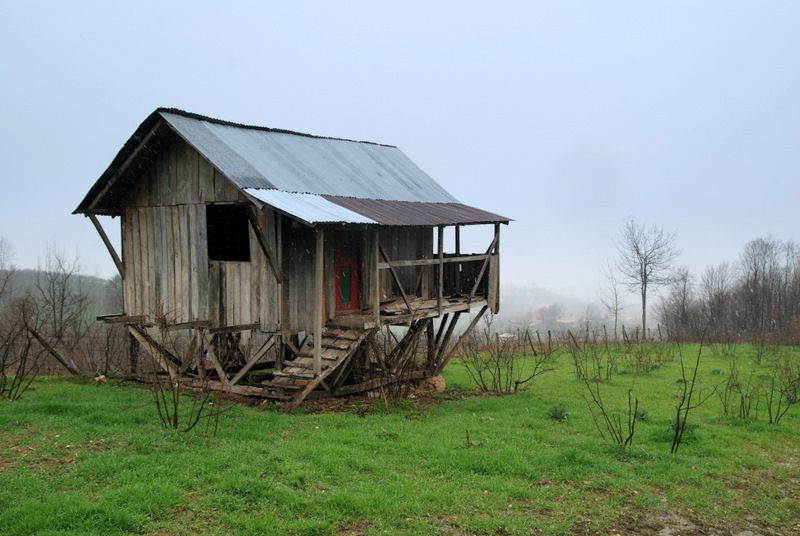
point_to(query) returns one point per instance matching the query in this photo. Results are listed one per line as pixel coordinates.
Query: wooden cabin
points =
(282, 257)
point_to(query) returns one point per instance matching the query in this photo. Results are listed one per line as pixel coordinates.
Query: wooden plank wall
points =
(165, 253)
(298, 264)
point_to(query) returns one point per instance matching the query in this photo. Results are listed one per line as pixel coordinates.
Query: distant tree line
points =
(758, 296)
(48, 322)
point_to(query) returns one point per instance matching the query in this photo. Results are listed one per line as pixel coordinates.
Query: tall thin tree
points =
(610, 295)
(645, 259)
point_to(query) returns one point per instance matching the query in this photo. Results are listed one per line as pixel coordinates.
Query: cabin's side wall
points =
(164, 248)
(298, 270)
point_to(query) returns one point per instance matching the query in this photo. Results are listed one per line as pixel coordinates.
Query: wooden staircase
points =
(297, 378)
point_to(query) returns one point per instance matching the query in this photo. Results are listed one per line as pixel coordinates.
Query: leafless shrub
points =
(783, 389)
(690, 397)
(542, 358)
(739, 397)
(749, 395)
(489, 362)
(171, 406)
(504, 364)
(611, 421)
(592, 356)
(179, 407)
(729, 387)
(642, 356)
(20, 355)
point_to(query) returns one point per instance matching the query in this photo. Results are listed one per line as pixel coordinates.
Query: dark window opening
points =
(228, 233)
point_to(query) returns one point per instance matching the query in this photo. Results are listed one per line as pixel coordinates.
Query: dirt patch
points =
(356, 529)
(681, 524)
(14, 455)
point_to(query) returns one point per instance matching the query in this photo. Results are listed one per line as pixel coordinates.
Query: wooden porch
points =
(395, 312)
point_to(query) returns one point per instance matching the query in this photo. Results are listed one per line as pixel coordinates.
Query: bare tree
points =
(645, 259)
(62, 320)
(611, 295)
(63, 301)
(678, 309)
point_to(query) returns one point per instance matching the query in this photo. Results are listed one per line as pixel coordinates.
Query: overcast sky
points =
(566, 116)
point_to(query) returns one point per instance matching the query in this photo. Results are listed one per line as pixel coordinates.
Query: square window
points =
(228, 233)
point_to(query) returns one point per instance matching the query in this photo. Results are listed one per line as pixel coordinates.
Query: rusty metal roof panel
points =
(308, 208)
(387, 212)
(254, 157)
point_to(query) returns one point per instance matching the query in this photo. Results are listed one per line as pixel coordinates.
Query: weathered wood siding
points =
(298, 270)
(164, 247)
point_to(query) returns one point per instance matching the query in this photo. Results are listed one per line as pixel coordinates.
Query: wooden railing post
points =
(495, 280)
(441, 270)
(319, 288)
(458, 254)
(376, 278)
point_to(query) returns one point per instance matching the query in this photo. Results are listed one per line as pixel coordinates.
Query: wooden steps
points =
(338, 343)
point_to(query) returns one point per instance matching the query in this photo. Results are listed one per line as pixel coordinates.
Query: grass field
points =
(78, 458)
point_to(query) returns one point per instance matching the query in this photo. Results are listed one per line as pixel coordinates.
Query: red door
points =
(348, 280)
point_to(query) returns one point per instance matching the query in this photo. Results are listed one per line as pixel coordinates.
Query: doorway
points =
(348, 270)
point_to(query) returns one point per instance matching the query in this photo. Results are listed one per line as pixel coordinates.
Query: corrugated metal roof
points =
(387, 212)
(354, 181)
(309, 208)
(265, 158)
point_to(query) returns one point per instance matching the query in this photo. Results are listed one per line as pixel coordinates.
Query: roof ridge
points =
(226, 123)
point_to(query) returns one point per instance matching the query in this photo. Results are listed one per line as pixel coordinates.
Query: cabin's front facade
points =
(287, 254)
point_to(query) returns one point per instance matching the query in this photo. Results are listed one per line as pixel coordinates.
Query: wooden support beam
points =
(483, 267)
(194, 324)
(446, 339)
(409, 345)
(380, 356)
(496, 271)
(458, 254)
(342, 372)
(244, 390)
(107, 242)
(257, 355)
(236, 328)
(319, 288)
(252, 216)
(441, 364)
(212, 356)
(375, 383)
(376, 277)
(192, 354)
(284, 333)
(430, 262)
(65, 361)
(396, 279)
(440, 331)
(155, 350)
(120, 318)
(440, 284)
(431, 343)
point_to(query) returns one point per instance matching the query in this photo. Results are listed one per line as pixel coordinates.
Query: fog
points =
(568, 117)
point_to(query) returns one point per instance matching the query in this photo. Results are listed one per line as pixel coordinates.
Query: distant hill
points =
(102, 293)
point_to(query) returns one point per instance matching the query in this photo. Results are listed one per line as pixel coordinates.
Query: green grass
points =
(77, 458)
